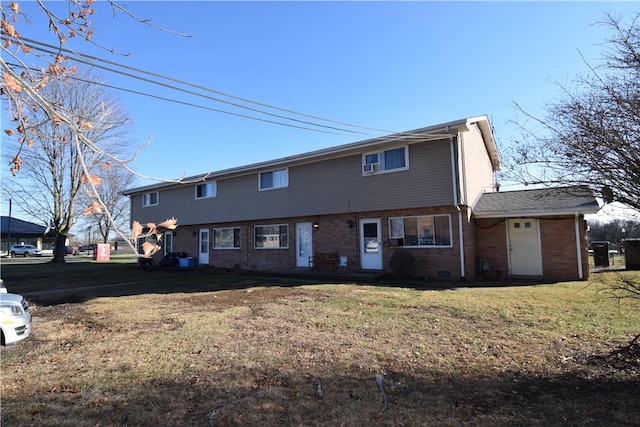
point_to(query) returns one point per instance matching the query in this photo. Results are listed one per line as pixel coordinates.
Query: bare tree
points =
(590, 136)
(54, 169)
(114, 181)
(24, 90)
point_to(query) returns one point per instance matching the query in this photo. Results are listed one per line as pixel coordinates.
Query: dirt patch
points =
(309, 356)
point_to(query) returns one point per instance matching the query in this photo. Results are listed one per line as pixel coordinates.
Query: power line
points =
(150, 73)
(162, 98)
(81, 56)
(83, 61)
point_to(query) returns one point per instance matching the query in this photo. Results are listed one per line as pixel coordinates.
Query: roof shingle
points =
(536, 202)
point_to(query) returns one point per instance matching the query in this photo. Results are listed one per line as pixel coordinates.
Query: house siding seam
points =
(321, 188)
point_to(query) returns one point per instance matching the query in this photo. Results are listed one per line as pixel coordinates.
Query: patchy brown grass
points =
(273, 353)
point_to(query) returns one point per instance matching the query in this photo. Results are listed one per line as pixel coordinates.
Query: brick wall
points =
(558, 247)
(491, 238)
(334, 233)
(484, 239)
(559, 255)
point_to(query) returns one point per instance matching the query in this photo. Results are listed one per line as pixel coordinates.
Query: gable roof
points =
(19, 226)
(536, 202)
(436, 132)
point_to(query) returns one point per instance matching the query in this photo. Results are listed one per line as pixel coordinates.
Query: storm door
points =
(203, 245)
(304, 243)
(371, 244)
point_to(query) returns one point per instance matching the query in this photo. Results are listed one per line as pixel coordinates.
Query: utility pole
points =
(9, 229)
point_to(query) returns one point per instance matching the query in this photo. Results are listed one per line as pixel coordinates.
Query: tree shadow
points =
(268, 397)
(166, 280)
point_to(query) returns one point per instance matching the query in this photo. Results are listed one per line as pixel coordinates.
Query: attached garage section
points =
(533, 234)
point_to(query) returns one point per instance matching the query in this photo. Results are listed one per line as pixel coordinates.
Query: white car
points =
(24, 250)
(15, 318)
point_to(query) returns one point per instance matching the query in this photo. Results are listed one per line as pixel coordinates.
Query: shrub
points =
(403, 264)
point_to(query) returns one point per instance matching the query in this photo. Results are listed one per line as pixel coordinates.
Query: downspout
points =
(462, 270)
(454, 174)
(578, 246)
(458, 194)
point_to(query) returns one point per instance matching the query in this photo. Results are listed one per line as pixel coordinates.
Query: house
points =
(415, 190)
(15, 231)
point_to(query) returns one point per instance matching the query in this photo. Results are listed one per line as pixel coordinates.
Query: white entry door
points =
(370, 244)
(203, 245)
(525, 258)
(304, 243)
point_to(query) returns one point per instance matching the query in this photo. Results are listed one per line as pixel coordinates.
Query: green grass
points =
(205, 347)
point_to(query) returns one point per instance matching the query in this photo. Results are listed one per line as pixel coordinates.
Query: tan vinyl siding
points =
(479, 176)
(325, 187)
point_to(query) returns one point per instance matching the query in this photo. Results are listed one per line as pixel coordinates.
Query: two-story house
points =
(414, 190)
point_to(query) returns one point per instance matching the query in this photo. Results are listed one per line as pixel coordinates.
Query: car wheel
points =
(26, 254)
(13, 254)
(2, 341)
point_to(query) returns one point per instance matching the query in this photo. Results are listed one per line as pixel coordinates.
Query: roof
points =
(433, 133)
(19, 226)
(536, 202)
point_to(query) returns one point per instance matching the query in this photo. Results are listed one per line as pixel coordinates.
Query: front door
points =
(525, 258)
(203, 245)
(370, 244)
(304, 243)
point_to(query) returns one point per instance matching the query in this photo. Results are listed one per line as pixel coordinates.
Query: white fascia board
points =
(437, 132)
(536, 213)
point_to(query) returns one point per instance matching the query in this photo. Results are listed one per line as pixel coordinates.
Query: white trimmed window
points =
(278, 178)
(150, 199)
(206, 189)
(271, 236)
(226, 238)
(391, 160)
(420, 231)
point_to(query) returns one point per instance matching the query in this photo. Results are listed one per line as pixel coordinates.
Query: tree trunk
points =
(60, 249)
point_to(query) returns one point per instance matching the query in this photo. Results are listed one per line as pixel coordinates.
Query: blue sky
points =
(385, 65)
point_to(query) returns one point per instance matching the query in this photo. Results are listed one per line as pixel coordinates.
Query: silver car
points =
(15, 318)
(24, 250)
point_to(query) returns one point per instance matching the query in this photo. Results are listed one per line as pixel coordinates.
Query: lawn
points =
(204, 347)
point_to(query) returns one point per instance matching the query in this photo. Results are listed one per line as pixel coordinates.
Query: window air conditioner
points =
(369, 168)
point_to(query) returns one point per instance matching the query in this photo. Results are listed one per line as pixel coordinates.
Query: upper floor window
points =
(274, 179)
(226, 238)
(150, 199)
(271, 236)
(387, 160)
(431, 230)
(206, 189)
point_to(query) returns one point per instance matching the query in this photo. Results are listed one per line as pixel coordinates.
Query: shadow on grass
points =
(291, 398)
(52, 284)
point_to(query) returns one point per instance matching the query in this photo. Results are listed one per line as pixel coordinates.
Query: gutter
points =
(437, 132)
(536, 212)
(456, 173)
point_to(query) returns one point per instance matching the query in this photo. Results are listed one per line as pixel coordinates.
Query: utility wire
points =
(162, 98)
(150, 73)
(398, 135)
(83, 61)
